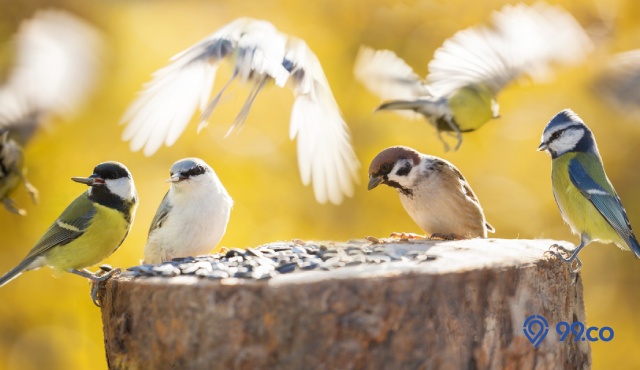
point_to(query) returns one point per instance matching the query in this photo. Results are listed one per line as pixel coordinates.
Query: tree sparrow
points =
(433, 192)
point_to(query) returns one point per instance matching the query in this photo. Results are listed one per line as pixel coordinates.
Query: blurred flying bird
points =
(585, 196)
(470, 68)
(433, 192)
(90, 229)
(55, 67)
(260, 55)
(193, 215)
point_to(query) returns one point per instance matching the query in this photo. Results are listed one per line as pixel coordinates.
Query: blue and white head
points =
(566, 132)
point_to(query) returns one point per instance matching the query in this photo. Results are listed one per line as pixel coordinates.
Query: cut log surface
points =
(435, 305)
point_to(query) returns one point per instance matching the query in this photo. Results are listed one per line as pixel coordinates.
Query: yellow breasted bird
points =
(90, 229)
(469, 70)
(584, 194)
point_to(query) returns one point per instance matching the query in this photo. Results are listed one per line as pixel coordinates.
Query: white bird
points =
(193, 215)
(55, 68)
(469, 70)
(260, 54)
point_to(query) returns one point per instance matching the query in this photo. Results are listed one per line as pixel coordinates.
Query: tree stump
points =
(418, 304)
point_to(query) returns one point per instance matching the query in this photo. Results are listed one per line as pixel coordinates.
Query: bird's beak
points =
(543, 146)
(91, 180)
(374, 181)
(177, 178)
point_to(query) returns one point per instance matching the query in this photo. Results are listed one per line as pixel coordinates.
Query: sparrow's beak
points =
(177, 177)
(543, 146)
(91, 180)
(374, 181)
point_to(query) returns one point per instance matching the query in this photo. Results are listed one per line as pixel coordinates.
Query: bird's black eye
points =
(555, 135)
(195, 171)
(386, 168)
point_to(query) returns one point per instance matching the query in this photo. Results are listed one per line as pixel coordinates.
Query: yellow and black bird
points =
(90, 229)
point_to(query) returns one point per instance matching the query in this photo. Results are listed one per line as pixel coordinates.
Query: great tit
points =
(55, 67)
(260, 55)
(470, 68)
(584, 194)
(193, 215)
(90, 229)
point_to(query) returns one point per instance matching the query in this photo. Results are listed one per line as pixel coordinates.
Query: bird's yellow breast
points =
(103, 236)
(471, 107)
(576, 210)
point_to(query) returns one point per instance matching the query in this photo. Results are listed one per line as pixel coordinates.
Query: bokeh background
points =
(48, 322)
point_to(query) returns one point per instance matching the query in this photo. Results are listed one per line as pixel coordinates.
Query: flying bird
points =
(261, 56)
(56, 65)
(469, 70)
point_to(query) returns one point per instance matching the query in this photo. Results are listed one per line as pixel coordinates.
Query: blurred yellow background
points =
(48, 322)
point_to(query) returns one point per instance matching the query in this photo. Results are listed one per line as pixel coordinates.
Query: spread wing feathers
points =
(388, 76)
(161, 214)
(471, 56)
(56, 65)
(606, 202)
(165, 106)
(520, 40)
(325, 155)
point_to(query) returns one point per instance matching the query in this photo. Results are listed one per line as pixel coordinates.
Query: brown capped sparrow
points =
(433, 192)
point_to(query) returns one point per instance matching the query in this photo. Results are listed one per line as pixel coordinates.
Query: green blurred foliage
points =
(48, 322)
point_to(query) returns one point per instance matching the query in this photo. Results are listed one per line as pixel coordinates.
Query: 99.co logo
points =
(536, 327)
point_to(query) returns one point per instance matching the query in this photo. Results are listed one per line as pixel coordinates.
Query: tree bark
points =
(463, 310)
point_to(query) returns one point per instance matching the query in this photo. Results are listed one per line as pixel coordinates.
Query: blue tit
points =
(54, 68)
(584, 194)
(469, 70)
(193, 215)
(260, 55)
(90, 229)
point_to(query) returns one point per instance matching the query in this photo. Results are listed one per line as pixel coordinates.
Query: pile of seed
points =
(269, 260)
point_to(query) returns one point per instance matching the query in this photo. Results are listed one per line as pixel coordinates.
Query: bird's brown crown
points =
(391, 155)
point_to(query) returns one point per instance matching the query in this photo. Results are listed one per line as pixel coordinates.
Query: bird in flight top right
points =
(470, 68)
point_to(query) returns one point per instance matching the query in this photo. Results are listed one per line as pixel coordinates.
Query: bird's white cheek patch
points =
(122, 187)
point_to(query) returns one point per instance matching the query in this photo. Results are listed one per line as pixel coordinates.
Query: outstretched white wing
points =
(387, 75)
(521, 40)
(165, 106)
(325, 155)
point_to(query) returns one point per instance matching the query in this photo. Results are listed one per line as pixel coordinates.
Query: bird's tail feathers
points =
(421, 105)
(16, 271)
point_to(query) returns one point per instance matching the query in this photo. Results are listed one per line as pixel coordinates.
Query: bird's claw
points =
(105, 273)
(574, 264)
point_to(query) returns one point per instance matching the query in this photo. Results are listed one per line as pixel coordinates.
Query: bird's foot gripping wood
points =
(12, 207)
(573, 262)
(105, 273)
(407, 236)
